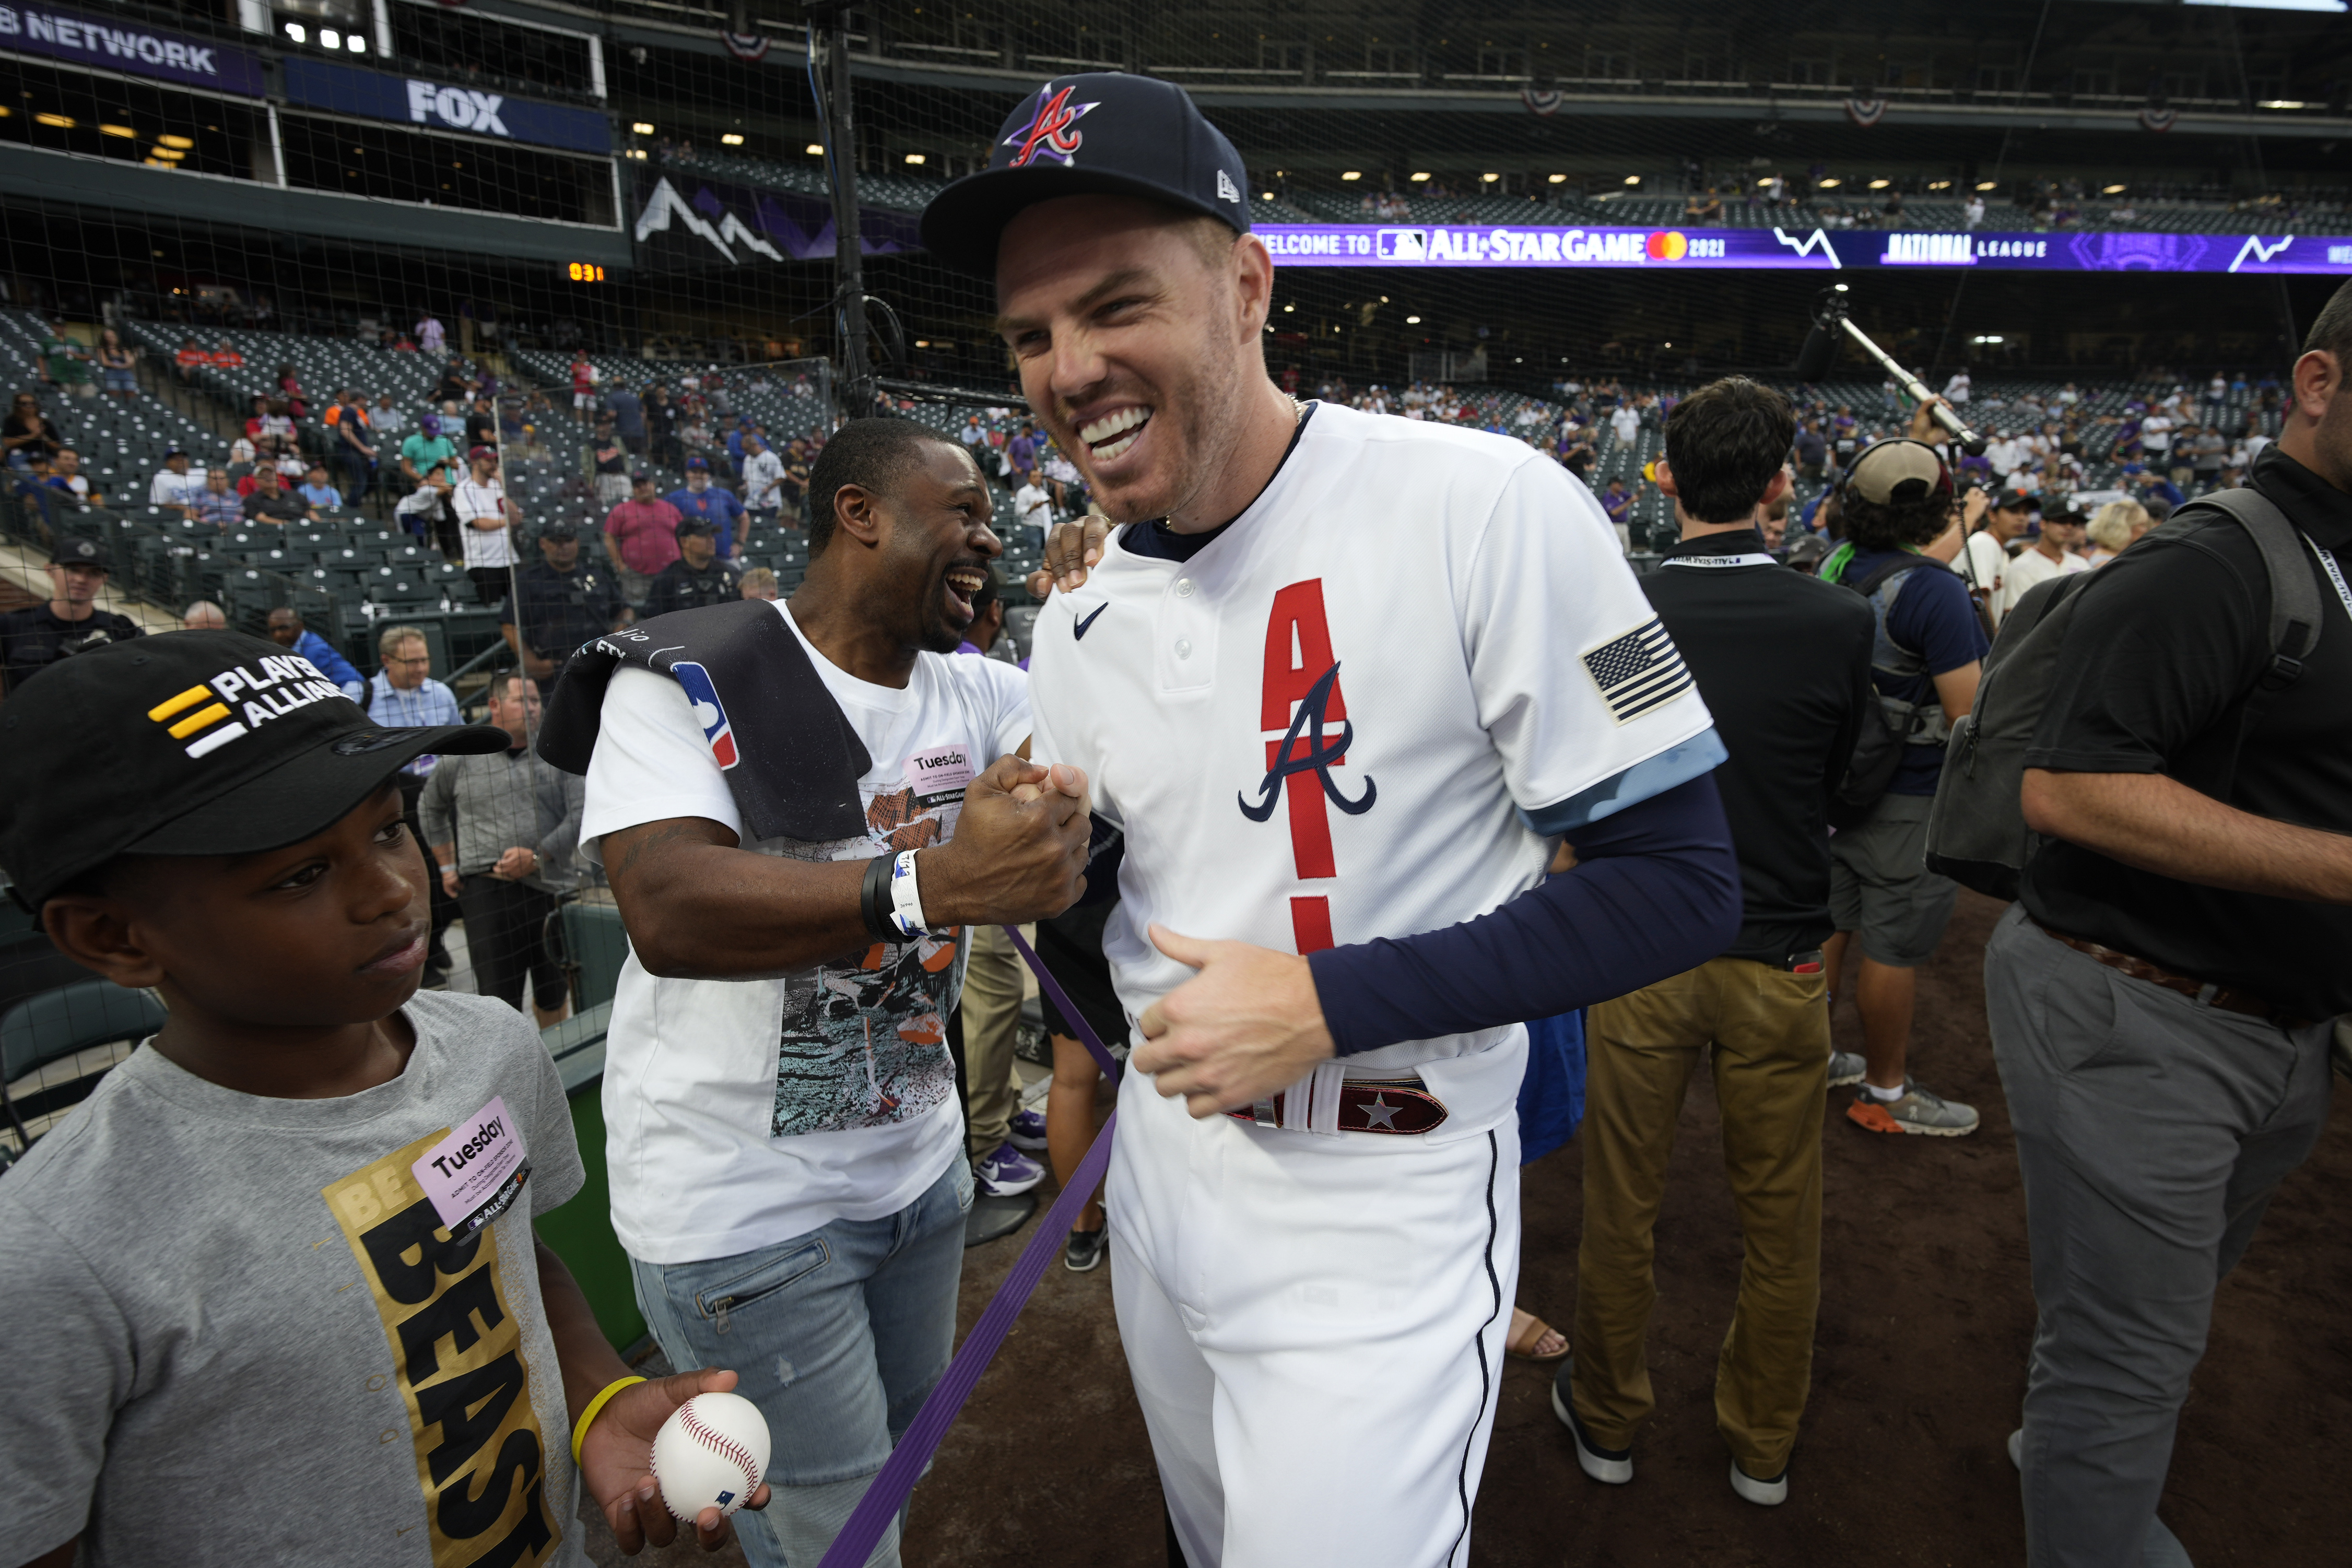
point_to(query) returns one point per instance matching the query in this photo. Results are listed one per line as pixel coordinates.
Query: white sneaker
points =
(1846, 1067)
(1763, 1494)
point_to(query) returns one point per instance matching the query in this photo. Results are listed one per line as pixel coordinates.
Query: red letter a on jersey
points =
(1298, 657)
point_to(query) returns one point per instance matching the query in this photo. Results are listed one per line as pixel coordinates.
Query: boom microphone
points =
(1830, 323)
(1814, 359)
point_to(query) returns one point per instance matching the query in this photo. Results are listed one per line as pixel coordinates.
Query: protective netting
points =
(516, 220)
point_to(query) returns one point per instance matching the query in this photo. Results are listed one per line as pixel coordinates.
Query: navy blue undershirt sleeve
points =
(1656, 890)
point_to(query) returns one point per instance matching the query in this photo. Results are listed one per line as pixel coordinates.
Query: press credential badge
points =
(475, 1173)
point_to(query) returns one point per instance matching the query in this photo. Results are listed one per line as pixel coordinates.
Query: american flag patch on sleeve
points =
(1638, 670)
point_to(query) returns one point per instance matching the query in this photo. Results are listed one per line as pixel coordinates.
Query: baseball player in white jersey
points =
(1347, 682)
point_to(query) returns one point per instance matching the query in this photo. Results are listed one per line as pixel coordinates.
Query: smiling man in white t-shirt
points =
(782, 1128)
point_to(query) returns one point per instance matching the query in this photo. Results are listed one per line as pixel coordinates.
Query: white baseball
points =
(710, 1453)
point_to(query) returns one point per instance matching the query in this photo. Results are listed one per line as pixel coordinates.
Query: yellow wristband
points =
(595, 1409)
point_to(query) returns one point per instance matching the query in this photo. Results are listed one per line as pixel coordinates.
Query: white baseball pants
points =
(1314, 1326)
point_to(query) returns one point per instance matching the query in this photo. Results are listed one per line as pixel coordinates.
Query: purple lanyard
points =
(887, 1493)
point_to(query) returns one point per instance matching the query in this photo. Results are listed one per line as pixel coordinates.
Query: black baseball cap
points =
(558, 530)
(2016, 501)
(191, 743)
(693, 526)
(1099, 133)
(77, 550)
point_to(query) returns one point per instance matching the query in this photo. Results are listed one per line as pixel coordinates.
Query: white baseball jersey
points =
(1331, 724)
(1439, 625)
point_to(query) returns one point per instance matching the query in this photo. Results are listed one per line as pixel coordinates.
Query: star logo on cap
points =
(1049, 134)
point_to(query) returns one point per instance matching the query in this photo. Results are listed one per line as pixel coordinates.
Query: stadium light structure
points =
(814, 149)
(2111, 190)
(642, 127)
(1556, 179)
(730, 139)
(1831, 183)
(1421, 177)
(1988, 185)
(1413, 320)
(1632, 179)
(1352, 174)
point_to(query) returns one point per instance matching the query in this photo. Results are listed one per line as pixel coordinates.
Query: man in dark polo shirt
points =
(698, 576)
(563, 601)
(2160, 996)
(71, 621)
(1783, 662)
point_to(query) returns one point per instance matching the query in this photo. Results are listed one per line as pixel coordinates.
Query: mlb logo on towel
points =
(709, 711)
(1638, 670)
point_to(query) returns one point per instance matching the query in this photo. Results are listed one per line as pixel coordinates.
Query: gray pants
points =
(2151, 1131)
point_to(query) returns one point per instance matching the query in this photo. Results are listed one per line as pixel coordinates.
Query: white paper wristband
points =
(905, 898)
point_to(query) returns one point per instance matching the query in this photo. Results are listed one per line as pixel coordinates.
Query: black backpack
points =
(1975, 832)
(1890, 724)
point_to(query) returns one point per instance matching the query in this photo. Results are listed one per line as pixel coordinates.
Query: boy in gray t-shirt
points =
(272, 1291)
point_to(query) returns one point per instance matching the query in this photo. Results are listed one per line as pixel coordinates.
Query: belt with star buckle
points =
(1400, 1105)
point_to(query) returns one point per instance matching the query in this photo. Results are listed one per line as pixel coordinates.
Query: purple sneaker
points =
(1029, 1130)
(1007, 1172)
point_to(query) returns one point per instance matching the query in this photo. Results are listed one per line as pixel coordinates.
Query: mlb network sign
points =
(110, 44)
(442, 106)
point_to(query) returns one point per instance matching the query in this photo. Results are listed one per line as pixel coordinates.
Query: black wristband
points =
(874, 899)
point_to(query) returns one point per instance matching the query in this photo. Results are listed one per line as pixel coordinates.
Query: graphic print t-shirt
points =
(238, 1331)
(741, 1113)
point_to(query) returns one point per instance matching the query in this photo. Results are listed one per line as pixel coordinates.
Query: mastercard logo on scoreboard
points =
(1668, 245)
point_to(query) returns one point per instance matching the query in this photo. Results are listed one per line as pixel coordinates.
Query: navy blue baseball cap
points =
(1101, 132)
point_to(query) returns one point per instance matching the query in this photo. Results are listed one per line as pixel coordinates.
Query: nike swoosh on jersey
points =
(1078, 628)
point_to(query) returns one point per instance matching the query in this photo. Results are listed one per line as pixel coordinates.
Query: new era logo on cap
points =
(202, 716)
(1226, 189)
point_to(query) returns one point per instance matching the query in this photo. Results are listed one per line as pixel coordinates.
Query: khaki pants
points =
(1771, 1033)
(991, 1017)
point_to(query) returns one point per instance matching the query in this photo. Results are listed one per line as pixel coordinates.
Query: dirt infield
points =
(1917, 1371)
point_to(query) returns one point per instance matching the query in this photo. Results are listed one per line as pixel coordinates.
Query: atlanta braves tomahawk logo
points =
(709, 711)
(1049, 135)
(1300, 670)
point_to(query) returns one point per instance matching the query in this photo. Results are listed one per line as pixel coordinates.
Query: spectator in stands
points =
(402, 695)
(217, 503)
(699, 575)
(640, 536)
(1897, 499)
(431, 336)
(2115, 528)
(174, 486)
(1784, 665)
(610, 460)
(1618, 502)
(560, 601)
(481, 424)
(64, 473)
(271, 502)
(1020, 453)
(425, 448)
(791, 494)
(190, 363)
(2207, 451)
(764, 481)
(26, 431)
(504, 831)
(118, 365)
(1031, 506)
(69, 622)
(318, 491)
(583, 382)
(972, 436)
(203, 615)
(486, 522)
(355, 450)
(758, 583)
(1061, 478)
(386, 420)
(289, 393)
(64, 363)
(2153, 487)
(661, 428)
(286, 630)
(698, 497)
(628, 418)
(225, 357)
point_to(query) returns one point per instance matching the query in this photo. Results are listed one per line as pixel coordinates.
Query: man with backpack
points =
(1924, 663)
(2161, 997)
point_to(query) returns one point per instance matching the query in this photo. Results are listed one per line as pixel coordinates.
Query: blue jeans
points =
(837, 1336)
